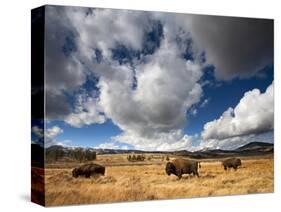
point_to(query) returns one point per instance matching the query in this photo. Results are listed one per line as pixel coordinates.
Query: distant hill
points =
(56, 152)
(260, 146)
(250, 149)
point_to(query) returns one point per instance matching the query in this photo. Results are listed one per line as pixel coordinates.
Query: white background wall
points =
(15, 104)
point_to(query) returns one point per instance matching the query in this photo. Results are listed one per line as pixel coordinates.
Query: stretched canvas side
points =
(37, 106)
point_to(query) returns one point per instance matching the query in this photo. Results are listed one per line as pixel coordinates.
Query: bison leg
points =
(195, 173)
(179, 174)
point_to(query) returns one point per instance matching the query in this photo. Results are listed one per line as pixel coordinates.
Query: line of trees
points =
(133, 158)
(79, 154)
(167, 158)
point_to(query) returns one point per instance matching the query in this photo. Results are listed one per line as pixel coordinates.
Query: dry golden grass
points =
(133, 182)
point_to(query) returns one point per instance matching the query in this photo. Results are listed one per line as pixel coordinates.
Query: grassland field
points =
(147, 180)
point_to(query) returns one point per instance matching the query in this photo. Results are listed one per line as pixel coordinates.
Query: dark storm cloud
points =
(237, 47)
(64, 73)
(56, 106)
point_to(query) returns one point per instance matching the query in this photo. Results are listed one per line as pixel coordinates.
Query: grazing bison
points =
(231, 163)
(179, 167)
(88, 170)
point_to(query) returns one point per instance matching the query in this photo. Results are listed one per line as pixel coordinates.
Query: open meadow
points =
(147, 180)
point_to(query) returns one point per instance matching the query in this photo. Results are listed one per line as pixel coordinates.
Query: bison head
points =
(170, 168)
(75, 173)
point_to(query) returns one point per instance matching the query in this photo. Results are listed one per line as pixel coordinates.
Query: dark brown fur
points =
(179, 167)
(88, 170)
(231, 163)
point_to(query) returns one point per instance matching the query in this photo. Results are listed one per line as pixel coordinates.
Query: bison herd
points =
(177, 167)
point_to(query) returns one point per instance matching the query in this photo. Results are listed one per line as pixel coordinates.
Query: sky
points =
(124, 79)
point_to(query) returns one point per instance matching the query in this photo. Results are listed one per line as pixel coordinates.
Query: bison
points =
(231, 163)
(88, 170)
(179, 167)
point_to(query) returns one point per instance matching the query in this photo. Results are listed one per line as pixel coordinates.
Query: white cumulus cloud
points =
(167, 86)
(50, 137)
(173, 140)
(254, 114)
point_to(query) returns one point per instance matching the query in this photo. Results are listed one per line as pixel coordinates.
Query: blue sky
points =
(156, 81)
(88, 136)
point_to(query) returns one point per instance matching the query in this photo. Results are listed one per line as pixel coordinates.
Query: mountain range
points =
(250, 149)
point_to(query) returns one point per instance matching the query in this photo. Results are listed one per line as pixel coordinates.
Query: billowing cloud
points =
(104, 29)
(254, 114)
(166, 87)
(150, 114)
(174, 140)
(148, 68)
(53, 132)
(77, 39)
(48, 137)
(145, 99)
(86, 112)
